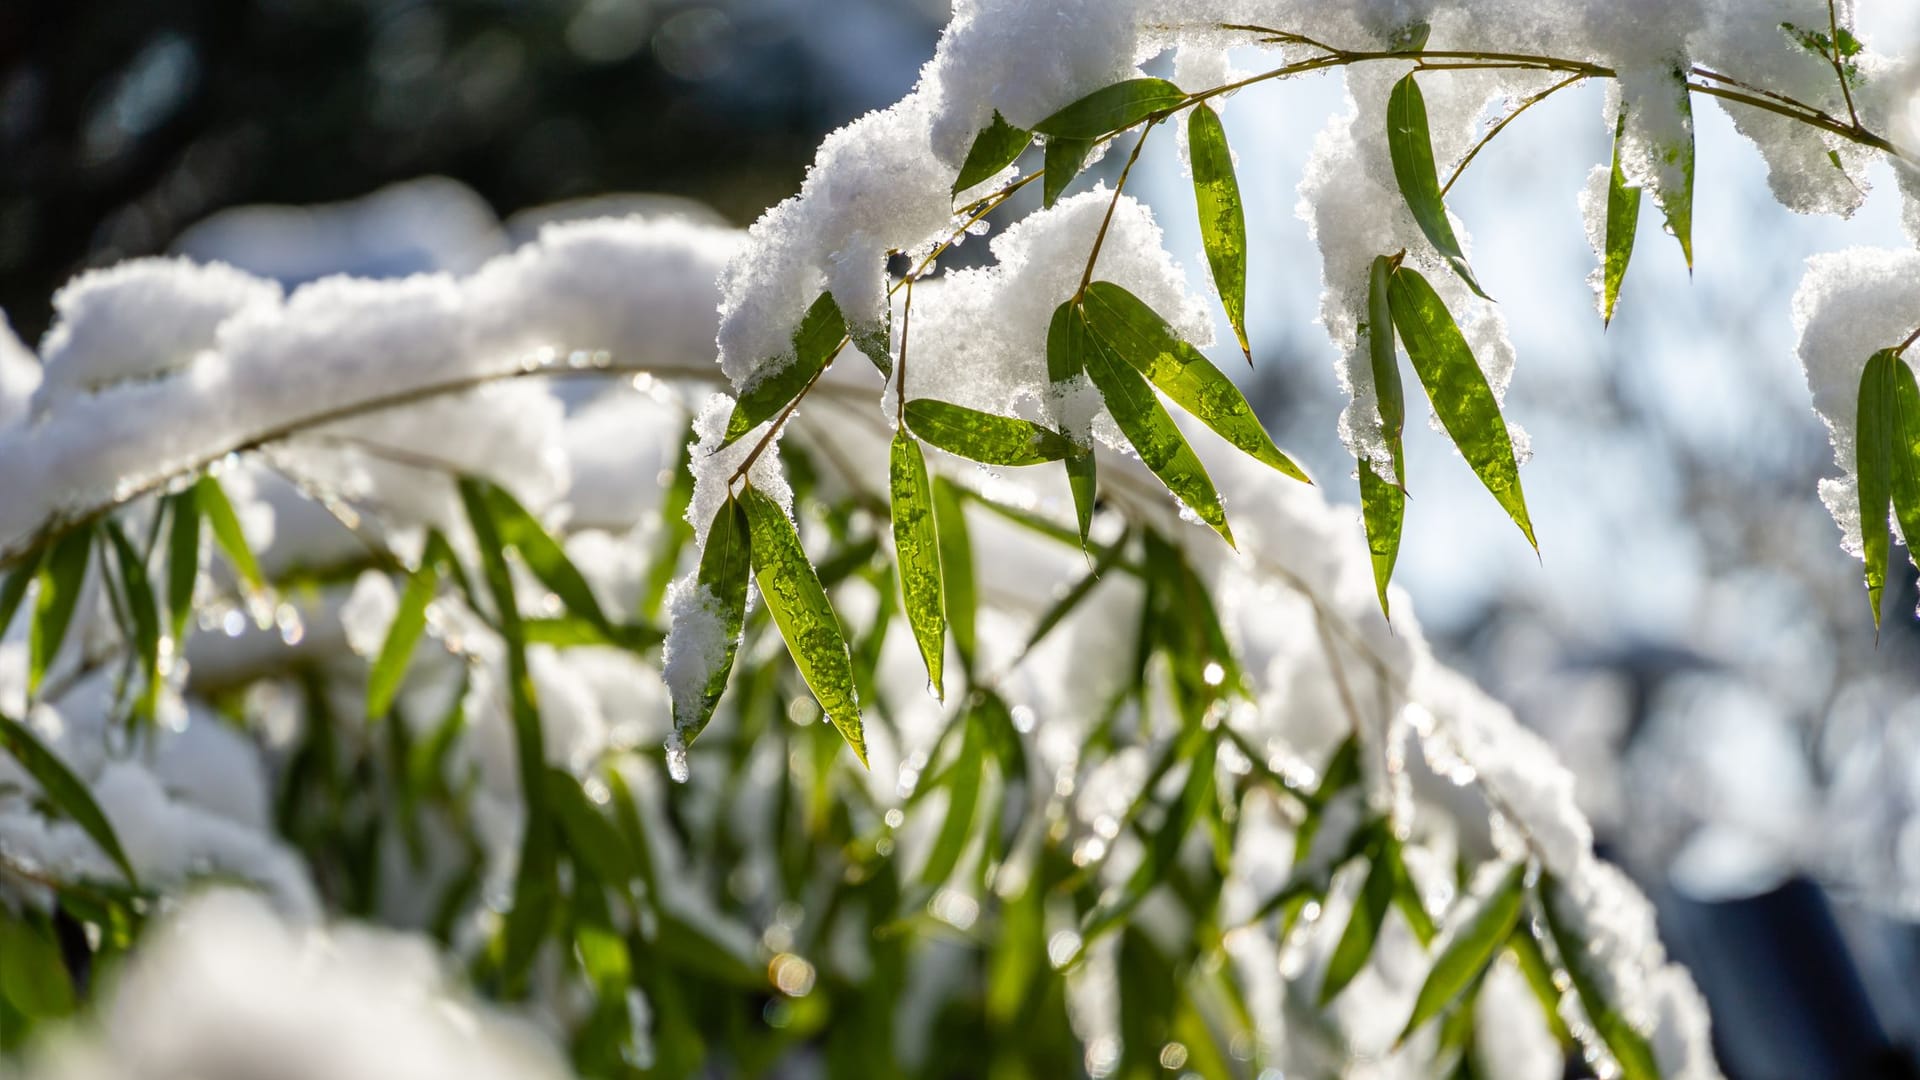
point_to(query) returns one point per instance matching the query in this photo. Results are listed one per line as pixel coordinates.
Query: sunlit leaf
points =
(806, 620)
(963, 798)
(592, 840)
(875, 342)
(1625, 1042)
(1066, 362)
(1383, 504)
(67, 792)
(995, 148)
(1411, 145)
(542, 554)
(1458, 389)
(1623, 221)
(956, 566)
(142, 610)
(1355, 947)
(1113, 108)
(62, 576)
(14, 590)
(1472, 947)
(722, 579)
(1064, 159)
(1223, 225)
(1905, 453)
(1383, 509)
(1196, 794)
(814, 344)
(403, 634)
(1676, 200)
(1539, 975)
(1874, 452)
(916, 546)
(1154, 435)
(33, 976)
(212, 500)
(984, 437)
(183, 560)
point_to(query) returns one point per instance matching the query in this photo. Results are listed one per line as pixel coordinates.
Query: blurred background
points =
(1692, 639)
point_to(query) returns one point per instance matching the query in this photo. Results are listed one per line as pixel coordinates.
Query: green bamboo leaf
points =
(995, 148)
(1389, 397)
(1623, 221)
(543, 554)
(1677, 203)
(183, 560)
(1458, 389)
(1383, 505)
(1066, 361)
(1539, 975)
(916, 545)
(1627, 1044)
(806, 620)
(1411, 145)
(1363, 929)
(875, 342)
(33, 976)
(956, 566)
(568, 631)
(592, 840)
(14, 590)
(1471, 949)
(143, 612)
(963, 798)
(212, 500)
(1874, 452)
(67, 792)
(61, 577)
(722, 579)
(814, 344)
(1113, 108)
(403, 634)
(1383, 509)
(984, 437)
(1154, 435)
(1406, 895)
(1198, 749)
(1064, 159)
(1143, 339)
(675, 531)
(1223, 223)
(1072, 597)
(1906, 453)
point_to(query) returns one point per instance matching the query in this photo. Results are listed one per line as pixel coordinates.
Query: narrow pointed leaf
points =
(1138, 335)
(1223, 223)
(212, 499)
(1383, 509)
(1066, 362)
(1539, 975)
(1113, 108)
(956, 566)
(1905, 453)
(1383, 504)
(61, 578)
(1458, 389)
(543, 554)
(916, 545)
(1411, 145)
(1471, 949)
(1154, 435)
(1064, 159)
(963, 798)
(64, 790)
(1676, 199)
(875, 342)
(995, 148)
(1164, 848)
(142, 610)
(806, 620)
(1874, 452)
(722, 580)
(1083, 481)
(1072, 597)
(592, 839)
(1389, 397)
(1623, 221)
(183, 560)
(33, 975)
(14, 590)
(984, 437)
(1626, 1043)
(1356, 942)
(403, 634)
(814, 344)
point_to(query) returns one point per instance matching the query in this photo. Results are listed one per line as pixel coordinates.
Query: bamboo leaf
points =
(1458, 389)
(1072, 597)
(1223, 223)
(814, 344)
(1471, 949)
(403, 634)
(956, 566)
(1625, 1042)
(1363, 929)
(543, 554)
(1198, 749)
(1113, 108)
(1083, 481)
(806, 620)
(1143, 339)
(984, 437)
(183, 560)
(14, 590)
(1155, 437)
(212, 500)
(875, 342)
(963, 798)
(1066, 362)
(1623, 220)
(67, 792)
(1905, 453)
(143, 612)
(1389, 397)
(33, 976)
(1676, 200)
(722, 579)
(61, 577)
(1064, 159)
(1874, 452)
(995, 148)
(1411, 145)
(592, 840)
(916, 545)
(1383, 509)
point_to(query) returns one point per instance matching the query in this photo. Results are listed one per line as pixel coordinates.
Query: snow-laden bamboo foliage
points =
(408, 602)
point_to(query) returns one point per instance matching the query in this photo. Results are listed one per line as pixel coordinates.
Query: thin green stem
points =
(1119, 186)
(1901, 349)
(1839, 68)
(1502, 126)
(900, 375)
